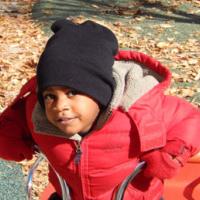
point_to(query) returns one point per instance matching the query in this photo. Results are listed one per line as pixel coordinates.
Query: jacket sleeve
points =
(182, 121)
(15, 140)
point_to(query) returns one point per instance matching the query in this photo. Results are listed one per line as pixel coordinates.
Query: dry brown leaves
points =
(21, 44)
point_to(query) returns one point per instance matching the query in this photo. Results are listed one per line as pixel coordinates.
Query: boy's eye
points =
(49, 97)
(72, 93)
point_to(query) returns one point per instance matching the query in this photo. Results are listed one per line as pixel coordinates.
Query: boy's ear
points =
(59, 24)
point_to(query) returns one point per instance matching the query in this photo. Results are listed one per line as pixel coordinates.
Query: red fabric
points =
(15, 139)
(111, 153)
(178, 151)
(166, 162)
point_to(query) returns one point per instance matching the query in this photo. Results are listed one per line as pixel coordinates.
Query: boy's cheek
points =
(49, 117)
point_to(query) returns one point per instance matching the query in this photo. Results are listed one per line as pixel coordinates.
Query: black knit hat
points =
(79, 57)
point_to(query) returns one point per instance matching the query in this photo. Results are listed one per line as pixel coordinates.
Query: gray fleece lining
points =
(132, 82)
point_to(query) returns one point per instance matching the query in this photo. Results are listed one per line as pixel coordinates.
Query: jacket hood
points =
(135, 74)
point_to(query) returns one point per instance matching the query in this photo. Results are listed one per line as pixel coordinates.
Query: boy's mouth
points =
(66, 120)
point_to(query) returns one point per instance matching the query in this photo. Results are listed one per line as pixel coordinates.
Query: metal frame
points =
(124, 184)
(64, 187)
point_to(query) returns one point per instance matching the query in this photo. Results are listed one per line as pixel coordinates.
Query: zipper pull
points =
(78, 153)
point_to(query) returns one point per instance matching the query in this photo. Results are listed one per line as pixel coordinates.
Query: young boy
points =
(96, 113)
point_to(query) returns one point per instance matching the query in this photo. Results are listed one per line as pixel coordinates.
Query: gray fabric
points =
(131, 83)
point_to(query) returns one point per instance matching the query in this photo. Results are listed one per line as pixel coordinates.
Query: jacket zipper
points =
(77, 161)
(78, 154)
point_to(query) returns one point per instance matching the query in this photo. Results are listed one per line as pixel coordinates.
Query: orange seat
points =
(47, 192)
(186, 185)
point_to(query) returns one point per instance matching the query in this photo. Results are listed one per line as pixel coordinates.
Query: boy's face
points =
(70, 111)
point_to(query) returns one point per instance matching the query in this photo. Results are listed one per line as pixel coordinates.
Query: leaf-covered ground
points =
(22, 40)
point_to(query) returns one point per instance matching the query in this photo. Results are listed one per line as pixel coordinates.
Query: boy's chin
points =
(73, 131)
(69, 133)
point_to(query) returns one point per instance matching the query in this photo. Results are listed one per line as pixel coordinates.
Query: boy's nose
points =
(62, 103)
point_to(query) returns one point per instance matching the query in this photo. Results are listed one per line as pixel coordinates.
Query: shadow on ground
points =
(185, 18)
(53, 9)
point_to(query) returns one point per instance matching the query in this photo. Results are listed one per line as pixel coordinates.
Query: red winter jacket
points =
(110, 153)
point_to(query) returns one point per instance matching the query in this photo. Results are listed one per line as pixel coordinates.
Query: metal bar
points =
(64, 187)
(63, 184)
(30, 175)
(123, 186)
